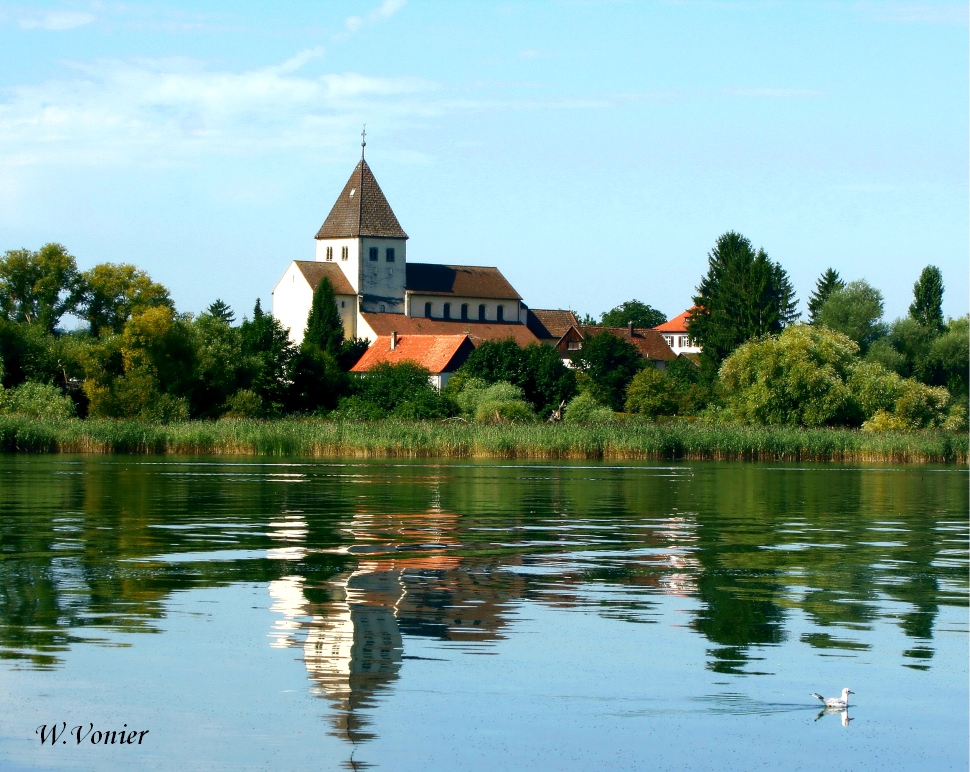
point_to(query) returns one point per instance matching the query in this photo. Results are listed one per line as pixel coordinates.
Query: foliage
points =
(651, 394)
(114, 292)
(351, 350)
(39, 287)
(318, 381)
(634, 311)
(36, 400)
(827, 283)
(743, 296)
(584, 409)
(537, 369)
(927, 307)
(267, 355)
(323, 327)
(855, 311)
(610, 363)
(492, 403)
(221, 311)
(401, 390)
(218, 353)
(244, 404)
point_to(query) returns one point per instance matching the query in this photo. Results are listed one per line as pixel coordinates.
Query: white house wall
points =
(511, 311)
(292, 299)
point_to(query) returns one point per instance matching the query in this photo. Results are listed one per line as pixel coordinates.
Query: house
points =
(362, 249)
(440, 355)
(549, 325)
(675, 333)
(651, 344)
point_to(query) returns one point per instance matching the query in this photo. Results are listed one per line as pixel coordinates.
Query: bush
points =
(402, 390)
(493, 403)
(36, 400)
(244, 404)
(651, 393)
(584, 409)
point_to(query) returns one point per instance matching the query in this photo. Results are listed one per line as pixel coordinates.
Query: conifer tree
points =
(744, 295)
(323, 326)
(927, 308)
(827, 283)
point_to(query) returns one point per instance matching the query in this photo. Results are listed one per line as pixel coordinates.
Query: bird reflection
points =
(842, 713)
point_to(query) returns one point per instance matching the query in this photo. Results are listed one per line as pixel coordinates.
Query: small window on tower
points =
(390, 254)
(344, 253)
(329, 253)
(372, 253)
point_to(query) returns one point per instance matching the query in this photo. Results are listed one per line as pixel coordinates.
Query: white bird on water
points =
(835, 703)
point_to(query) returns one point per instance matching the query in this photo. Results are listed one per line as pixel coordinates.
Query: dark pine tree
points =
(744, 295)
(323, 326)
(221, 311)
(927, 308)
(827, 283)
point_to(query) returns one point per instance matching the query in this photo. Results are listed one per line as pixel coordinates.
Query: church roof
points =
(436, 353)
(361, 210)
(384, 324)
(470, 281)
(313, 272)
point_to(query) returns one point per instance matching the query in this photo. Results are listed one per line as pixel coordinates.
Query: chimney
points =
(393, 340)
(630, 326)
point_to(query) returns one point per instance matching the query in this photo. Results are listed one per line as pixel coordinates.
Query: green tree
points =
(318, 380)
(218, 354)
(114, 292)
(400, 391)
(652, 394)
(828, 282)
(267, 355)
(221, 311)
(323, 327)
(927, 307)
(855, 311)
(743, 296)
(39, 287)
(610, 364)
(634, 311)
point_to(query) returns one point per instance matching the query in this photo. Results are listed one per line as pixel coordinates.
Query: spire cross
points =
(363, 141)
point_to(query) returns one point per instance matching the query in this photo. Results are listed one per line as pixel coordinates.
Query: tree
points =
(400, 390)
(651, 393)
(827, 283)
(114, 292)
(323, 326)
(927, 307)
(743, 296)
(221, 311)
(855, 311)
(218, 354)
(634, 311)
(39, 287)
(610, 364)
(266, 358)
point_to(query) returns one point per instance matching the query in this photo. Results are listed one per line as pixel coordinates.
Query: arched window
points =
(447, 313)
(427, 310)
(500, 313)
(464, 312)
(383, 308)
(481, 313)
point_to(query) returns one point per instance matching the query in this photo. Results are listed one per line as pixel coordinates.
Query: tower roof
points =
(361, 210)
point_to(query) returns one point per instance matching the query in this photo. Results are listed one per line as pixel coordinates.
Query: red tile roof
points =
(384, 324)
(361, 210)
(314, 272)
(550, 324)
(650, 343)
(677, 324)
(436, 353)
(470, 281)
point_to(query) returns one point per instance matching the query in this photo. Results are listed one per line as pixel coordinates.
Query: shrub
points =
(651, 393)
(584, 409)
(493, 403)
(244, 404)
(36, 400)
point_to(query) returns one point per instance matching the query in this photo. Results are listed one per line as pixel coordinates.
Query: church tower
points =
(363, 238)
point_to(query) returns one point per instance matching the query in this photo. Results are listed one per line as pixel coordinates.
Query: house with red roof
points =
(651, 344)
(440, 355)
(675, 332)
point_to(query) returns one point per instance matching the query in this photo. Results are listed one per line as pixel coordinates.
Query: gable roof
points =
(650, 343)
(471, 281)
(361, 210)
(436, 353)
(384, 324)
(677, 324)
(550, 324)
(313, 272)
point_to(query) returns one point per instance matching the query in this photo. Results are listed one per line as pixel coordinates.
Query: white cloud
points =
(383, 12)
(163, 111)
(56, 20)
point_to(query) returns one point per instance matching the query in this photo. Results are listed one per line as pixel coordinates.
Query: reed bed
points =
(422, 439)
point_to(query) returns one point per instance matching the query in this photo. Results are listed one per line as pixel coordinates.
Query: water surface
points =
(478, 615)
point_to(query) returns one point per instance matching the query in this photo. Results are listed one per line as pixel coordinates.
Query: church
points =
(362, 249)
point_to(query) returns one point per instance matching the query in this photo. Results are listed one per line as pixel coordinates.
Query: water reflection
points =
(361, 558)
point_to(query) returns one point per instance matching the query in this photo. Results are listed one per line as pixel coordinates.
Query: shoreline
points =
(629, 440)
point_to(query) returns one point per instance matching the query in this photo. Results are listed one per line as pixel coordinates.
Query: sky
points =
(592, 150)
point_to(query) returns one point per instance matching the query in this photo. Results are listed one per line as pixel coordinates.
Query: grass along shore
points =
(449, 439)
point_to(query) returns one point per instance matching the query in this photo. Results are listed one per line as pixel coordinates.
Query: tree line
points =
(134, 356)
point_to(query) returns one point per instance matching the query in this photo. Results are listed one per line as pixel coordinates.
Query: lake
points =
(251, 614)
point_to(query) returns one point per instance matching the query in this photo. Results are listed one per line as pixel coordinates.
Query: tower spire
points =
(363, 141)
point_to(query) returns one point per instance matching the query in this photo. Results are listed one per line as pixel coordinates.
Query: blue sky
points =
(593, 151)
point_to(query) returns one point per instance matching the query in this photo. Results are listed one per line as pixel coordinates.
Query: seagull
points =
(835, 703)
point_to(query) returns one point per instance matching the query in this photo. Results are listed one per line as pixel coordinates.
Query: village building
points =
(361, 249)
(675, 333)
(651, 344)
(440, 355)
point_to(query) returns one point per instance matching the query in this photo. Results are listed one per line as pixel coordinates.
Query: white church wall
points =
(350, 266)
(511, 312)
(292, 298)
